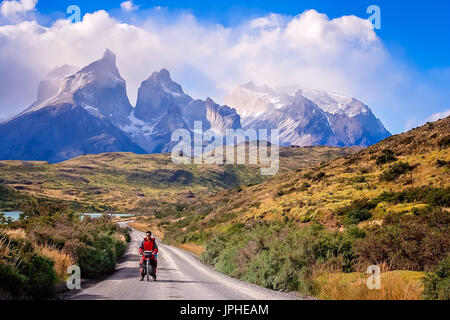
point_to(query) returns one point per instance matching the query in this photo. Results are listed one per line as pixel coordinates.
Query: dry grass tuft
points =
(192, 247)
(5, 253)
(16, 234)
(145, 226)
(395, 285)
(61, 260)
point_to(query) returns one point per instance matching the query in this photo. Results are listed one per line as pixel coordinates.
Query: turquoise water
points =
(13, 215)
(16, 215)
(99, 215)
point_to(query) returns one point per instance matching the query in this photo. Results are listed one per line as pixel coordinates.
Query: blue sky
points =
(417, 30)
(404, 75)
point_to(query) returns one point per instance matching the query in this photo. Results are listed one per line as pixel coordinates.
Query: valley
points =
(313, 228)
(317, 229)
(125, 182)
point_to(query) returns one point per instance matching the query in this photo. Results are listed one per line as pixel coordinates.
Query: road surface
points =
(181, 276)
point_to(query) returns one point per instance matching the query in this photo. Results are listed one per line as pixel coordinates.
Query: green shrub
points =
(386, 156)
(96, 244)
(127, 233)
(442, 163)
(431, 196)
(213, 249)
(99, 255)
(94, 262)
(358, 179)
(357, 212)
(444, 142)
(280, 256)
(42, 278)
(320, 176)
(23, 271)
(315, 177)
(305, 186)
(437, 284)
(395, 171)
(415, 242)
(12, 283)
(356, 216)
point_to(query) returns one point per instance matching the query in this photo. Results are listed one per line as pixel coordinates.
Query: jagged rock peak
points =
(162, 76)
(109, 56)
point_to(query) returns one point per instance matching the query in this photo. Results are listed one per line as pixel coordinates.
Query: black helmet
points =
(149, 232)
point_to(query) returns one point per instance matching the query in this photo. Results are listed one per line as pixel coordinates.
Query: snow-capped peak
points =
(335, 103)
(163, 81)
(252, 100)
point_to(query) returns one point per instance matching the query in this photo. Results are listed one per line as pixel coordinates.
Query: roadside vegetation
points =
(316, 230)
(130, 183)
(313, 228)
(36, 251)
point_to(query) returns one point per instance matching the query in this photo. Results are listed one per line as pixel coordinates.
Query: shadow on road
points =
(90, 297)
(185, 281)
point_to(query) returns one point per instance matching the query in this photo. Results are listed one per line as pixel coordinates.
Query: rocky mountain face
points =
(81, 117)
(59, 132)
(49, 87)
(307, 117)
(157, 94)
(88, 111)
(162, 107)
(213, 116)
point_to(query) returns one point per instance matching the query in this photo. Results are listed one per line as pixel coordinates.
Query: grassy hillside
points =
(127, 182)
(386, 205)
(387, 173)
(314, 228)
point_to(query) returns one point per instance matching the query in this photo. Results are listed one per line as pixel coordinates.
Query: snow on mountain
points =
(88, 111)
(162, 107)
(98, 87)
(49, 87)
(334, 103)
(82, 117)
(156, 93)
(252, 101)
(334, 119)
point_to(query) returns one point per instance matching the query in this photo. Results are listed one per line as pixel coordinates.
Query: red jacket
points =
(148, 245)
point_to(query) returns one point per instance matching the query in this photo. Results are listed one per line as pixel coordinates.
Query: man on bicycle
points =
(148, 244)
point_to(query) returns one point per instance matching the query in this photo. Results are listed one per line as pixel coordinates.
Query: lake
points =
(16, 215)
(99, 215)
(13, 215)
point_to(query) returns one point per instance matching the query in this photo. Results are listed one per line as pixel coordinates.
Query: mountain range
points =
(307, 117)
(87, 111)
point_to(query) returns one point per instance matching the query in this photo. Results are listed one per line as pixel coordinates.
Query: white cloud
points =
(14, 8)
(413, 123)
(309, 50)
(128, 6)
(439, 115)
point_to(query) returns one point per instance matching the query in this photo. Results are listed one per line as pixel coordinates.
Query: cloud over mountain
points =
(309, 50)
(11, 8)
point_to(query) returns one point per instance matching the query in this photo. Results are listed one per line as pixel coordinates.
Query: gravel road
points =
(181, 276)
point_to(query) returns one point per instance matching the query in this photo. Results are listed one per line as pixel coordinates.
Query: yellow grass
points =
(16, 234)
(395, 285)
(146, 226)
(192, 247)
(61, 260)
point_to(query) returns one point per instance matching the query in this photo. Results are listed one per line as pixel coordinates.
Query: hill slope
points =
(317, 193)
(125, 181)
(317, 229)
